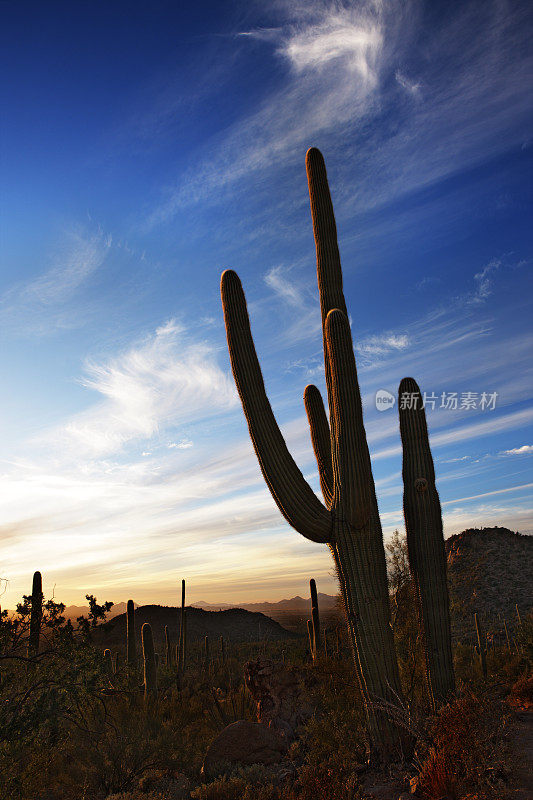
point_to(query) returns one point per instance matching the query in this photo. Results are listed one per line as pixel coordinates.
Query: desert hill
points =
(235, 625)
(490, 571)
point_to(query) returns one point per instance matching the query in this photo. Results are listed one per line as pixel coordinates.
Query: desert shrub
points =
(468, 753)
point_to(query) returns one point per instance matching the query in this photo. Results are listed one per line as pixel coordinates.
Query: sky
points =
(147, 146)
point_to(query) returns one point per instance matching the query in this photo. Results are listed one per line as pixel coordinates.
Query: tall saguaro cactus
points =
(348, 520)
(131, 645)
(36, 614)
(425, 542)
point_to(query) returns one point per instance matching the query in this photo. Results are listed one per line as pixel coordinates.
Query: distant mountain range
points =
(326, 602)
(295, 605)
(73, 612)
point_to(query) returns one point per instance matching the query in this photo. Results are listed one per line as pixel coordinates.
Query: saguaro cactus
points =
(36, 614)
(108, 664)
(131, 645)
(150, 667)
(481, 645)
(182, 641)
(315, 617)
(348, 521)
(425, 542)
(168, 646)
(311, 637)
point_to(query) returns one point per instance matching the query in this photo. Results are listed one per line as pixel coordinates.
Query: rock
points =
(381, 791)
(278, 696)
(244, 742)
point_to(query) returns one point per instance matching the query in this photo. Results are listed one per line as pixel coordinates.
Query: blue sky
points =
(148, 146)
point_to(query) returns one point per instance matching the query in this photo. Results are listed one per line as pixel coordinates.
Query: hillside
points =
(235, 625)
(490, 571)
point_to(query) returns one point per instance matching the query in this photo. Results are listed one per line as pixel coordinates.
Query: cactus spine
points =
(149, 660)
(425, 543)
(36, 614)
(131, 645)
(348, 521)
(315, 617)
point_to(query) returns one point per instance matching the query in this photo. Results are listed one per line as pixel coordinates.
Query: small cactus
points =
(206, 653)
(481, 645)
(168, 646)
(182, 642)
(108, 664)
(131, 644)
(149, 660)
(36, 614)
(311, 637)
(315, 617)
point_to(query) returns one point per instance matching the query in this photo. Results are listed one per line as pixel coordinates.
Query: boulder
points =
(244, 742)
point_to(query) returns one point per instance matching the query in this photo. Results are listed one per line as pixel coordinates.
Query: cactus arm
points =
(292, 494)
(352, 471)
(328, 259)
(321, 440)
(425, 543)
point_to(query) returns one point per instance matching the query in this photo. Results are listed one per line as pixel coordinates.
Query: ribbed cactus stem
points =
(36, 614)
(425, 543)
(206, 652)
(349, 521)
(315, 617)
(222, 650)
(131, 644)
(149, 661)
(311, 638)
(481, 644)
(168, 646)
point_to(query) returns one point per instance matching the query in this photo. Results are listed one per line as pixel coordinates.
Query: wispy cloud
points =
(374, 347)
(332, 57)
(344, 68)
(42, 305)
(166, 380)
(410, 87)
(484, 280)
(277, 280)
